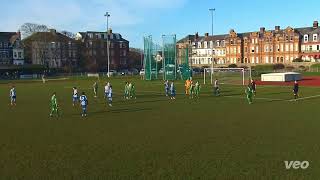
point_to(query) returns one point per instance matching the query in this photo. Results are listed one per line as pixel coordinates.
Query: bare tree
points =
(27, 29)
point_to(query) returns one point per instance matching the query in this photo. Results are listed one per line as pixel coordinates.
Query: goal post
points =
(235, 76)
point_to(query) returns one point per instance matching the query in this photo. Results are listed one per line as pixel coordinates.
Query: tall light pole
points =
(108, 54)
(212, 10)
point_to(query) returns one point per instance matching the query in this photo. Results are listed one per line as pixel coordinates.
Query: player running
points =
(95, 89)
(84, 104)
(249, 93)
(43, 78)
(216, 90)
(54, 106)
(75, 97)
(13, 96)
(109, 95)
(197, 89)
(172, 91)
(253, 86)
(166, 87)
(296, 90)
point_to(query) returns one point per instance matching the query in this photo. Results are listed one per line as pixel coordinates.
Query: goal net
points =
(232, 76)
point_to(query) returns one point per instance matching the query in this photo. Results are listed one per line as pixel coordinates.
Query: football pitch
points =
(152, 137)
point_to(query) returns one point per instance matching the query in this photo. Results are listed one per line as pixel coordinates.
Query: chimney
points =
(262, 29)
(206, 34)
(277, 28)
(196, 35)
(315, 24)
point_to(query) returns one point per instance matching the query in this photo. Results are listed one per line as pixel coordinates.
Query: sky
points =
(135, 19)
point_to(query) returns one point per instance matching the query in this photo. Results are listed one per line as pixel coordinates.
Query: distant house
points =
(52, 49)
(95, 54)
(11, 48)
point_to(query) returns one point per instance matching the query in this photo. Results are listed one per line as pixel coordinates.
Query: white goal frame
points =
(212, 72)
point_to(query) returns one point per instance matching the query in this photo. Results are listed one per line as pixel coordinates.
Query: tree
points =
(27, 29)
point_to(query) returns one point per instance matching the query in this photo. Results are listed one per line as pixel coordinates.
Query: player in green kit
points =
(132, 91)
(54, 105)
(95, 89)
(197, 89)
(249, 93)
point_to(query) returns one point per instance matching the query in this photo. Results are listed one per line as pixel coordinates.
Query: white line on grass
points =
(308, 97)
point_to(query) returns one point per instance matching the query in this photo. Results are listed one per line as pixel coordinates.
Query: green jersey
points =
(95, 86)
(249, 92)
(54, 101)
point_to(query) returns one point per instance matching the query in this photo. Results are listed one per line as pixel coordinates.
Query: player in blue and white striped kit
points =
(13, 96)
(84, 104)
(75, 97)
(109, 95)
(172, 91)
(167, 87)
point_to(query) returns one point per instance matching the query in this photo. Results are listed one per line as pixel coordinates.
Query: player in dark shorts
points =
(253, 86)
(296, 90)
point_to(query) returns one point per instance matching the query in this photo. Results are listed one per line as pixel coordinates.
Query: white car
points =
(141, 72)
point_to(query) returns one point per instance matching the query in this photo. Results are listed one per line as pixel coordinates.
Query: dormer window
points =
(306, 38)
(205, 45)
(315, 37)
(218, 43)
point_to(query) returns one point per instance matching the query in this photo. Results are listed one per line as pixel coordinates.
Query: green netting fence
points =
(169, 57)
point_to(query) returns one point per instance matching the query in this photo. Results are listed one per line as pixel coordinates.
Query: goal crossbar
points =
(242, 70)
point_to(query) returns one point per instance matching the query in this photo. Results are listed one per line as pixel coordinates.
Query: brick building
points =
(94, 50)
(11, 48)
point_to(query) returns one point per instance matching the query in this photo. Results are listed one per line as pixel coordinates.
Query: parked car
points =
(123, 72)
(112, 73)
(142, 72)
(133, 71)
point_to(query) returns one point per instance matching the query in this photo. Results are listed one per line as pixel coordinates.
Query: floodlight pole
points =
(212, 10)
(108, 51)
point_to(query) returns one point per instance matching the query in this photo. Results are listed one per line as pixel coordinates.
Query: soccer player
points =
(54, 105)
(253, 86)
(13, 96)
(129, 90)
(172, 91)
(249, 93)
(296, 90)
(191, 90)
(132, 91)
(43, 79)
(166, 87)
(84, 104)
(197, 89)
(109, 95)
(95, 89)
(216, 90)
(106, 89)
(187, 86)
(126, 90)
(75, 97)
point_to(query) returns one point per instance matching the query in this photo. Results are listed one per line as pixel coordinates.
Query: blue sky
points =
(137, 18)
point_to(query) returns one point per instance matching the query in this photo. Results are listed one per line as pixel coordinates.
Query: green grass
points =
(155, 138)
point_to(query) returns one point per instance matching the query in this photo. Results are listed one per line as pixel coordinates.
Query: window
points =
(231, 42)
(266, 48)
(287, 37)
(5, 45)
(218, 43)
(291, 38)
(287, 47)
(245, 49)
(315, 37)
(19, 55)
(252, 49)
(15, 55)
(90, 35)
(252, 41)
(211, 44)
(123, 61)
(318, 48)
(310, 48)
(102, 36)
(257, 48)
(306, 38)
(205, 45)
(0, 44)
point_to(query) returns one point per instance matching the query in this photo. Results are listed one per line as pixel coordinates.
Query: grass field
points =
(153, 137)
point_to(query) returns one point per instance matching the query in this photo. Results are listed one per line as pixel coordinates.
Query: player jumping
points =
(84, 104)
(13, 96)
